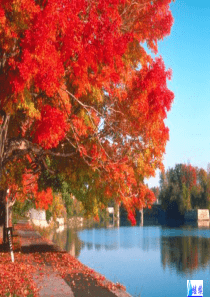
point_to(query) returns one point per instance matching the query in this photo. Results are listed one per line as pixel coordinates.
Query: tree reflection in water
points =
(185, 253)
(185, 249)
(69, 241)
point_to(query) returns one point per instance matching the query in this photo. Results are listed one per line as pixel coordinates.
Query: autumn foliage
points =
(78, 88)
(183, 188)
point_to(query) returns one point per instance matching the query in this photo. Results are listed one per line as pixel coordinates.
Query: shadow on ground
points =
(39, 248)
(84, 286)
(81, 284)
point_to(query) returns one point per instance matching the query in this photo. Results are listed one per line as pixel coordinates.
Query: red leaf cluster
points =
(51, 128)
(29, 190)
(77, 73)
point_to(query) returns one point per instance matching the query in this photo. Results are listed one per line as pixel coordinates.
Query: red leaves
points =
(16, 278)
(43, 199)
(79, 126)
(188, 175)
(149, 93)
(143, 198)
(132, 219)
(51, 128)
(29, 190)
(97, 35)
(70, 69)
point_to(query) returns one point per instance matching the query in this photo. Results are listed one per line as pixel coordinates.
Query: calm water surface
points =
(152, 261)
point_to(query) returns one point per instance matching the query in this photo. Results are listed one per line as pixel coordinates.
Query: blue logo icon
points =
(195, 288)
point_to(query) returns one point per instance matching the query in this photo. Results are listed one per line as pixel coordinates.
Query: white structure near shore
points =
(38, 218)
(197, 215)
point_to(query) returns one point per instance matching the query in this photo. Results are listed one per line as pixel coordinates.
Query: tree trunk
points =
(2, 219)
(3, 138)
(3, 214)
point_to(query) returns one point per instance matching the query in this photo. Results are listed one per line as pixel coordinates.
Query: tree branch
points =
(16, 147)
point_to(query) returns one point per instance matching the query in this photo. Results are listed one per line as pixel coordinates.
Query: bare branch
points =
(88, 112)
(48, 152)
(20, 147)
(82, 104)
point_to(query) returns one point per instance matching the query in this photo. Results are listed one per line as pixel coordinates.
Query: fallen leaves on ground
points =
(16, 278)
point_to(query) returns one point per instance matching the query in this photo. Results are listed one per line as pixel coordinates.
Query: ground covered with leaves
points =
(16, 279)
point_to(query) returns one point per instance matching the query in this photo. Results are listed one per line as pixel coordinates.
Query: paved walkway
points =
(48, 282)
(51, 284)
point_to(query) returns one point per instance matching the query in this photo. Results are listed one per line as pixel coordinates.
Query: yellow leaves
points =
(140, 164)
(23, 11)
(95, 207)
(57, 208)
(25, 103)
(136, 53)
(145, 166)
(31, 110)
(9, 107)
(97, 94)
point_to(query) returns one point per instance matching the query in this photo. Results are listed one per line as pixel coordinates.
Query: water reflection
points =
(165, 255)
(185, 253)
(69, 241)
(120, 238)
(181, 249)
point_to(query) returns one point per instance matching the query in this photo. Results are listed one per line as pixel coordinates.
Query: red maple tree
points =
(77, 88)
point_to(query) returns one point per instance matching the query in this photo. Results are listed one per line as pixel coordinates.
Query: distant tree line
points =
(182, 188)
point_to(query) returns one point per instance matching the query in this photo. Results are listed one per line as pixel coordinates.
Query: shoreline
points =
(68, 272)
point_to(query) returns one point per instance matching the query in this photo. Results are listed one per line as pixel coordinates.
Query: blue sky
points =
(187, 52)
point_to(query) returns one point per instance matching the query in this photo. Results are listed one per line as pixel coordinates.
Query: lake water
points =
(151, 261)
